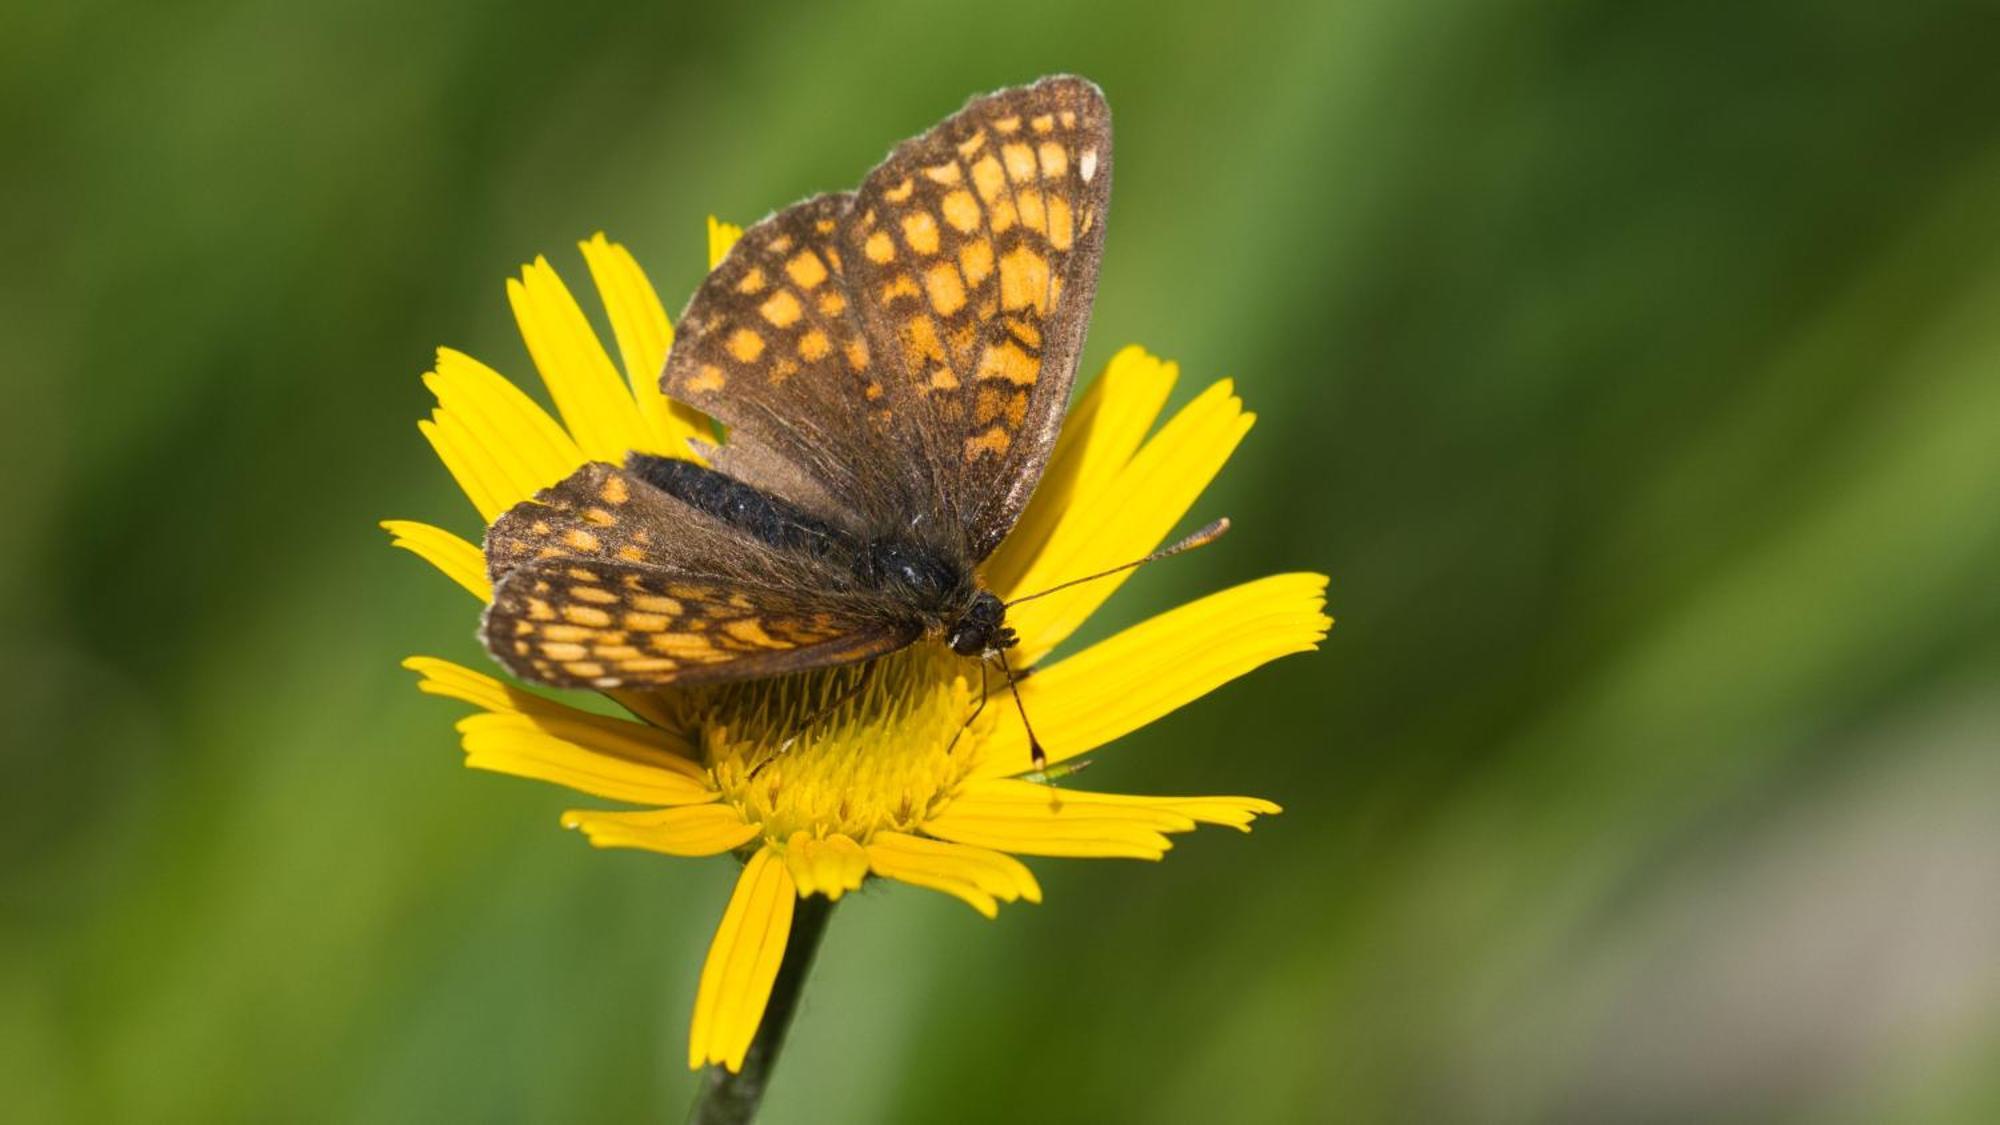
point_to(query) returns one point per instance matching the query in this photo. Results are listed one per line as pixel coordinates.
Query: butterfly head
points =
(982, 628)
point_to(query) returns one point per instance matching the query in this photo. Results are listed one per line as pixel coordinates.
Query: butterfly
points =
(892, 365)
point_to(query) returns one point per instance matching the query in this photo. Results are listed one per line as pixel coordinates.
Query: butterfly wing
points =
(771, 344)
(604, 581)
(610, 625)
(909, 349)
(973, 251)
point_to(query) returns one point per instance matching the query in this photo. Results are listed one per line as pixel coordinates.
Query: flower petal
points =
(639, 322)
(478, 476)
(530, 736)
(980, 877)
(595, 403)
(691, 830)
(721, 236)
(1003, 796)
(526, 449)
(1121, 684)
(1098, 438)
(742, 962)
(460, 561)
(580, 757)
(1129, 516)
(831, 867)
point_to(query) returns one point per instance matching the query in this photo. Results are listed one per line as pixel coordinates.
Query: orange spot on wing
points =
(1024, 280)
(1020, 161)
(880, 247)
(1062, 232)
(995, 441)
(782, 309)
(746, 345)
(976, 260)
(806, 270)
(1006, 360)
(920, 340)
(921, 231)
(988, 179)
(961, 210)
(947, 291)
(813, 346)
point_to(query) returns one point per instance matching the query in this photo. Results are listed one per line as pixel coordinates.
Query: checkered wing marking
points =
(972, 254)
(576, 623)
(771, 345)
(600, 513)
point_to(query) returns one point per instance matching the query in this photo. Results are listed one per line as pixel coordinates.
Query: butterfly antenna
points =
(1201, 538)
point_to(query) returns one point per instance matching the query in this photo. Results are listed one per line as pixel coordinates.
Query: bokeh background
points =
(1634, 370)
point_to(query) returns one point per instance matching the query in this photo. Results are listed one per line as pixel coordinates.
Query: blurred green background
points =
(1634, 370)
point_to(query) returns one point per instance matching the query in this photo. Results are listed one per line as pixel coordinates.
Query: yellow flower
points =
(825, 778)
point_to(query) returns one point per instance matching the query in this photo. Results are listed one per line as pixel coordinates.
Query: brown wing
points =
(909, 349)
(771, 345)
(604, 514)
(604, 581)
(603, 625)
(974, 252)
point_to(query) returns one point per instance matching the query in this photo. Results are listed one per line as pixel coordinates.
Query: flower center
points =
(851, 750)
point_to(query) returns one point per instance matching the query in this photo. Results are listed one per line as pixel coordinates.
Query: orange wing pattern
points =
(572, 623)
(910, 348)
(974, 252)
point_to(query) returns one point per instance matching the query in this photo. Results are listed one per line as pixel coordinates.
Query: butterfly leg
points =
(860, 682)
(970, 719)
(1035, 751)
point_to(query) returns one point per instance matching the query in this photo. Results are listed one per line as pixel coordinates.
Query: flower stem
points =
(732, 1099)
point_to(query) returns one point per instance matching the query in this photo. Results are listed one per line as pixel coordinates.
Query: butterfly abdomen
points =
(763, 516)
(912, 581)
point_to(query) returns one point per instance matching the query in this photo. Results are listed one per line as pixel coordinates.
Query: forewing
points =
(972, 255)
(771, 345)
(602, 625)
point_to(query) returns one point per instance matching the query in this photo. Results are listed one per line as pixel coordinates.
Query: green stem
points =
(732, 1099)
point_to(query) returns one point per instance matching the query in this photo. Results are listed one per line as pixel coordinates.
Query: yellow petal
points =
(721, 236)
(691, 830)
(468, 462)
(639, 322)
(595, 403)
(980, 877)
(1098, 438)
(460, 561)
(580, 757)
(1057, 827)
(1127, 681)
(1127, 517)
(527, 449)
(599, 734)
(831, 867)
(742, 962)
(1004, 796)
